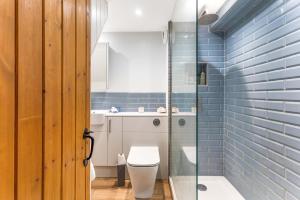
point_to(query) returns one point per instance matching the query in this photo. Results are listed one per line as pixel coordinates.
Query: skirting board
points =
(107, 172)
(111, 172)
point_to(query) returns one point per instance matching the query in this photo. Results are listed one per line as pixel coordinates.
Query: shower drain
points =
(202, 187)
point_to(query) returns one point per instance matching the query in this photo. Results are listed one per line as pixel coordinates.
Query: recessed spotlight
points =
(138, 12)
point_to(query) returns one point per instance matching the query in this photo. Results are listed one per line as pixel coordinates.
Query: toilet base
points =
(142, 180)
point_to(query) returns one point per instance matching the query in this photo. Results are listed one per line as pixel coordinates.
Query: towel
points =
(92, 172)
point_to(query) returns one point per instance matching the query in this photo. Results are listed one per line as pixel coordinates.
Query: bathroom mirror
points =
(99, 71)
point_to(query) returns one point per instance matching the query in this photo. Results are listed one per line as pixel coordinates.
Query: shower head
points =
(207, 19)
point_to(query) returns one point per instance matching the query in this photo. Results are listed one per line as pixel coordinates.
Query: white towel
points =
(92, 172)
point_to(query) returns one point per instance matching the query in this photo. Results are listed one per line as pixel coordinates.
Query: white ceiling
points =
(154, 14)
(212, 6)
(122, 16)
(185, 10)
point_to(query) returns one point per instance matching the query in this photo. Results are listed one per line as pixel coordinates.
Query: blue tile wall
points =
(128, 102)
(184, 101)
(211, 104)
(262, 104)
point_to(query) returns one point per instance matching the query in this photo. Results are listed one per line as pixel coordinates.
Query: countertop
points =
(137, 114)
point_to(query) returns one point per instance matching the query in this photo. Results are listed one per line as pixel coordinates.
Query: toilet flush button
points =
(156, 122)
(181, 122)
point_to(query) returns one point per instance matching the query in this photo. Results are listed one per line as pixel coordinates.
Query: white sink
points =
(98, 117)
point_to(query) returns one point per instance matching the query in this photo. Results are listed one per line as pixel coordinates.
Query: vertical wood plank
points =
(29, 100)
(64, 112)
(69, 97)
(7, 99)
(81, 86)
(88, 88)
(52, 99)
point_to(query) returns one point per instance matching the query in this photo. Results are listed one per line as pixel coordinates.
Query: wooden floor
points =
(106, 189)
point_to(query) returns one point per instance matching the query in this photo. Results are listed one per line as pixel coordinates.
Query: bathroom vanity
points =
(116, 132)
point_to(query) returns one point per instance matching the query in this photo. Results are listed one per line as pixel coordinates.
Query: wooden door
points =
(44, 99)
(7, 99)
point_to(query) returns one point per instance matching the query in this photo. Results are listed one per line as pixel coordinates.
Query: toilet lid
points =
(143, 156)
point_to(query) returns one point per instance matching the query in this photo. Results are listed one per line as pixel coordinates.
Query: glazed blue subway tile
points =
(127, 102)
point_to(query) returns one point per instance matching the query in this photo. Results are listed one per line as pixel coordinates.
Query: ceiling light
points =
(138, 12)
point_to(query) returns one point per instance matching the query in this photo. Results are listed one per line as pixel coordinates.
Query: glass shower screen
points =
(183, 99)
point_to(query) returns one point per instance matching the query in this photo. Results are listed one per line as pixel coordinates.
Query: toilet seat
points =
(143, 156)
(142, 165)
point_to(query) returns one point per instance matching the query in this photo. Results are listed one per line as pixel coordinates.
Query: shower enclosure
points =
(236, 85)
(183, 100)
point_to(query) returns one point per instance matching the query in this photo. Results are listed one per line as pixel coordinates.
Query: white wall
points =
(137, 62)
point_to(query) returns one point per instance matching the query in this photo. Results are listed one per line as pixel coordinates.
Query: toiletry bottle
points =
(202, 78)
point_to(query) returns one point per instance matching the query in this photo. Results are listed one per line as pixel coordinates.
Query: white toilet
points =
(142, 164)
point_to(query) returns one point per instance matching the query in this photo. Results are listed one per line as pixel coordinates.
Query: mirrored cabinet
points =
(99, 71)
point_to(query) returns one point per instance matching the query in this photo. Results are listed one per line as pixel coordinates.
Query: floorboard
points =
(106, 189)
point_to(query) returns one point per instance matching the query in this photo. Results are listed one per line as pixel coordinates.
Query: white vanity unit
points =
(116, 132)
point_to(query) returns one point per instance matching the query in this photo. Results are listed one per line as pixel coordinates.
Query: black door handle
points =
(86, 135)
